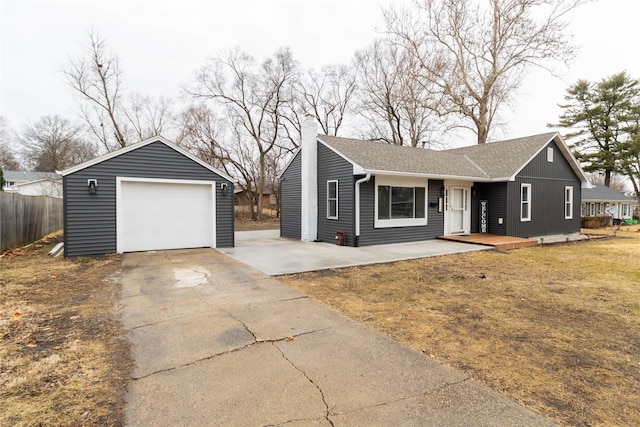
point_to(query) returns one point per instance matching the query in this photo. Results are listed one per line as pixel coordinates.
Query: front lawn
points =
(555, 328)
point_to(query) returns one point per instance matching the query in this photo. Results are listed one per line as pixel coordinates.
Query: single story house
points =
(147, 196)
(602, 200)
(374, 193)
(33, 183)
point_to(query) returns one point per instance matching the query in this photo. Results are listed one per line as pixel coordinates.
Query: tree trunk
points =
(260, 185)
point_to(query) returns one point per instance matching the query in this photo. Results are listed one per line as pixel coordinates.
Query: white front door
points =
(457, 219)
(458, 206)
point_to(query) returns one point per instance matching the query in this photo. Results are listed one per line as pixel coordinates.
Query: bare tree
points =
(396, 107)
(54, 143)
(149, 116)
(8, 154)
(255, 97)
(327, 95)
(114, 118)
(96, 76)
(477, 52)
(616, 182)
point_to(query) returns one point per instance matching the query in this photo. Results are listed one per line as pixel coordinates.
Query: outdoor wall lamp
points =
(223, 188)
(92, 184)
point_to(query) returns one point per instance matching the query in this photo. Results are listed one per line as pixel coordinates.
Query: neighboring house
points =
(147, 196)
(602, 200)
(377, 193)
(243, 203)
(33, 183)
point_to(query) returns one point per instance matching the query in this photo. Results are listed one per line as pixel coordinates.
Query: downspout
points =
(356, 240)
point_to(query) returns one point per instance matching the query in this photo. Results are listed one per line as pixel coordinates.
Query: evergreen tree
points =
(604, 120)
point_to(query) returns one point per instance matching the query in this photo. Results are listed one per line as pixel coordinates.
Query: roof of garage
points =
(138, 145)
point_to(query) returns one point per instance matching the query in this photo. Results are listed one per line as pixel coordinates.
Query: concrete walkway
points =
(266, 251)
(216, 342)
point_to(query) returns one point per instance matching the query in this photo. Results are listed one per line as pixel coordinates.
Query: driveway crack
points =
(324, 401)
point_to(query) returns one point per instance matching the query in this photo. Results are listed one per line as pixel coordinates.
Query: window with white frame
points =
(625, 208)
(568, 202)
(400, 202)
(525, 202)
(332, 199)
(550, 154)
(592, 209)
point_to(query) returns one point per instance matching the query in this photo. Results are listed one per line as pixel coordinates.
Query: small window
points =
(568, 202)
(525, 202)
(550, 154)
(332, 199)
(592, 209)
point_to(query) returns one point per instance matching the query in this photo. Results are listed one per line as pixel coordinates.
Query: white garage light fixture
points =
(92, 184)
(223, 188)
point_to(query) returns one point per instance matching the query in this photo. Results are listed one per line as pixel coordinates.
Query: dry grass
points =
(63, 357)
(266, 223)
(555, 328)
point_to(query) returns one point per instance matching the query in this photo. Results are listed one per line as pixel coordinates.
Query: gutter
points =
(358, 182)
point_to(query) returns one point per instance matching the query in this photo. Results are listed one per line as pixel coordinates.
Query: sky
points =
(162, 43)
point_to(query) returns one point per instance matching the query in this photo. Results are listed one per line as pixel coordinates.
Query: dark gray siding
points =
(90, 219)
(333, 167)
(496, 196)
(290, 199)
(548, 181)
(375, 236)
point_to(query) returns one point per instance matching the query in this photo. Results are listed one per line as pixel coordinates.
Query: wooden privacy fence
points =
(24, 219)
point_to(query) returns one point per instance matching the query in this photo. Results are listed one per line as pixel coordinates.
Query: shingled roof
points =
(600, 193)
(504, 159)
(484, 162)
(377, 157)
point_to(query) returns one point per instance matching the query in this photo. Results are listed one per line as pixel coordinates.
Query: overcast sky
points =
(162, 43)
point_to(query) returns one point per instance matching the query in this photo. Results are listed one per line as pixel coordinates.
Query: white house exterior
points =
(601, 200)
(33, 183)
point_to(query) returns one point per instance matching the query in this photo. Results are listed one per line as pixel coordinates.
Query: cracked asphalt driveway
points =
(216, 342)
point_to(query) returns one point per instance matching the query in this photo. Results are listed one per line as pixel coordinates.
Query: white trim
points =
(549, 154)
(469, 179)
(330, 181)
(568, 201)
(395, 181)
(141, 144)
(526, 218)
(119, 219)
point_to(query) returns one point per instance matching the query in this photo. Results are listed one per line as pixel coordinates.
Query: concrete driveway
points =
(216, 342)
(266, 251)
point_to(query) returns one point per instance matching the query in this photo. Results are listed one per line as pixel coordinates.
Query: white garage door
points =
(155, 215)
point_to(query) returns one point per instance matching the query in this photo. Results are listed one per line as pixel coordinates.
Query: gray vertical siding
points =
(90, 220)
(290, 199)
(496, 196)
(369, 235)
(548, 181)
(333, 167)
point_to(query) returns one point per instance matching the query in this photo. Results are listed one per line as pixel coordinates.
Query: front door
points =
(457, 218)
(458, 207)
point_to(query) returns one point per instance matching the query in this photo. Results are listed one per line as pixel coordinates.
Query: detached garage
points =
(148, 196)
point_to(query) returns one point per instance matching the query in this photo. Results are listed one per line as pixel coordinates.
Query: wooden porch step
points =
(505, 243)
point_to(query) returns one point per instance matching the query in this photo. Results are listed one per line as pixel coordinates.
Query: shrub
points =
(599, 221)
